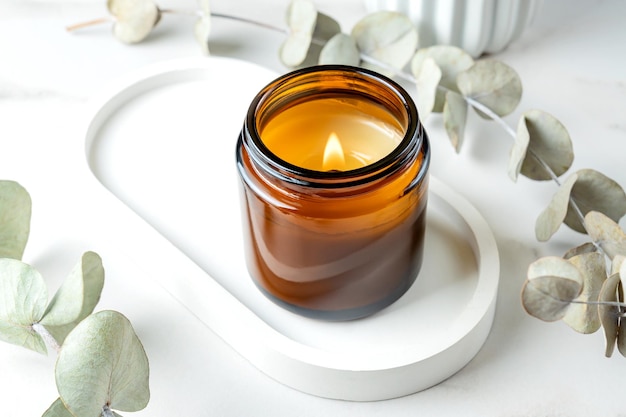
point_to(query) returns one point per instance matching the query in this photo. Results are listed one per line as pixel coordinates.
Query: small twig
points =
(46, 336)
(617, 304)
(183, 12)
(89, 23)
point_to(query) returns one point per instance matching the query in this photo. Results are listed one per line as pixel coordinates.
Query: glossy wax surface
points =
(299, 134)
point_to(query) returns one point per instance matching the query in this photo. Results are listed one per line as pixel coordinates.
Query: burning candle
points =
(333, 162)
(332, 135)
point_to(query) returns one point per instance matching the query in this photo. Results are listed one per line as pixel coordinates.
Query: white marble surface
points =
(572, 61)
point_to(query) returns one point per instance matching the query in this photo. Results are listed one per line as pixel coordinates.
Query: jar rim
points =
(412, 139)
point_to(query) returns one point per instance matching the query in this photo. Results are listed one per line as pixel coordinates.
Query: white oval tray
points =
(162, 140)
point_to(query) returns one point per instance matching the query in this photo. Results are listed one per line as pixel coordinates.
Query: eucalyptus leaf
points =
(341, 49)
(309, 31)
(427, 83)
(582, 316)
(549, 143)
(15, 213)
(493, 84)
(301, 17)
(597, 192)
(606, 233)
(454, 118)
(325, 29)
(23, 298)
(103, 363)
(387, 37)
(551, 286)
(450, 60)
(57, 409)
(76, 298)
(134, 19)
(202, 28)
(618, 266)
(579, 250)
(609, 313)
(552, 216)
(519, 149)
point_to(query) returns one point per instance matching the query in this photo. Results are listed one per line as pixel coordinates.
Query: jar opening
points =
(294, 120)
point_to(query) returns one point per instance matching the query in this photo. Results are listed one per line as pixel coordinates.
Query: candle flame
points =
(334, 159)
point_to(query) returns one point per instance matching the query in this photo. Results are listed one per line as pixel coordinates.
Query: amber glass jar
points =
(333, 162)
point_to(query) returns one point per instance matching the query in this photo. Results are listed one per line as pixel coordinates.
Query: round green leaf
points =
(341, 49)
(427, 83)
(308, 33)
(76, 298)
(202, 28)
(551, 286)
(606, 233)
(493, 84)
(301, 17)
(621, 333)
(618, 266)
(15, 212)
(609, 313)
(103, 363)
(23, 298)
(595, 192)
(454, 118)
(451, 60)
(134, 19)
(519, 149)
(583, 317)
(579, 250)
(57, 409)
(548, 144)
(552, 217)
(387, 37)
(325, 29)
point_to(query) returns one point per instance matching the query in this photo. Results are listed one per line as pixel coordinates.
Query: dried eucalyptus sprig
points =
(575, 289)
(134, 20)
(579, 289)
(101, 363)
(450, 81)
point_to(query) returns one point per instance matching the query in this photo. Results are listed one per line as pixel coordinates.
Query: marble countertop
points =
(572, 62)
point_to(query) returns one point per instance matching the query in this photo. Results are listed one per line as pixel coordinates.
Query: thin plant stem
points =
(46, 336)
(88, 23)
(600, 303)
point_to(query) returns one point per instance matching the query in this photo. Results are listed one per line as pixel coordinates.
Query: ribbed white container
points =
(477, 26)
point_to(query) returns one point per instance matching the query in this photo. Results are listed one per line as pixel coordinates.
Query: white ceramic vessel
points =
(477, 26)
